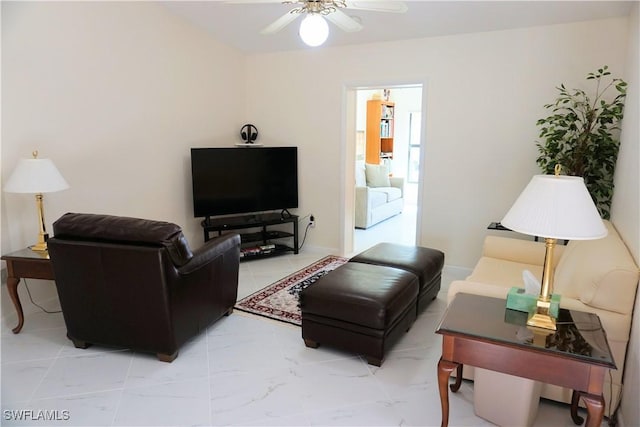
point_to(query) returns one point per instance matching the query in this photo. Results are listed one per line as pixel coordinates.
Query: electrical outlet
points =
(312, 221)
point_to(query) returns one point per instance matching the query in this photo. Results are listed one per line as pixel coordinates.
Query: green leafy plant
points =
(583, 136)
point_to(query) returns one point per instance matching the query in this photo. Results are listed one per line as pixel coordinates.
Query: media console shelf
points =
(256, 244)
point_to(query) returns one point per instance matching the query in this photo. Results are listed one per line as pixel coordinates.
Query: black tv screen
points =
(243, 180)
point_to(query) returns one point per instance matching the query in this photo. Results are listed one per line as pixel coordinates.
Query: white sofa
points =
(598, 276)
(378, 196)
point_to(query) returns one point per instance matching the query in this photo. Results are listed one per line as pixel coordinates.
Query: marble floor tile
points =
(70, 376)
(33, 344)
(249, 398)
(182, 403)
(366, 414)
(192, 363)
(236, 354)
(20, 379)
(336, 384)
(407, 372)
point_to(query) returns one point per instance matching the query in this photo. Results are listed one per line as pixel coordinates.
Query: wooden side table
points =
(479, 331)
(26, 264)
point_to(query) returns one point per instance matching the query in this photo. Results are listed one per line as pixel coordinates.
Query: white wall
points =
(485, 92)
(115, 93)
(625, 209)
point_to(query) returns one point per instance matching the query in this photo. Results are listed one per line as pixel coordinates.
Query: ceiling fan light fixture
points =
(314, 30)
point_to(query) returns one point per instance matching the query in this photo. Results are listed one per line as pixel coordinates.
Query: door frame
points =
(348, 151)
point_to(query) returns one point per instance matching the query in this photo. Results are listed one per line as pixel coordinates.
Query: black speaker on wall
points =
(249, 133)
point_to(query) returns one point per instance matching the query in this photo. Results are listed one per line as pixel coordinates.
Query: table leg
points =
(12, 287)
(575, 398)
(445, 368)
(456, 385)
(595, 409)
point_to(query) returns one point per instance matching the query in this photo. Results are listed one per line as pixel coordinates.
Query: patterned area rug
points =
(279, 300)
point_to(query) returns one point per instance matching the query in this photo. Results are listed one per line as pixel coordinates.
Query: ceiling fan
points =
(314, 30)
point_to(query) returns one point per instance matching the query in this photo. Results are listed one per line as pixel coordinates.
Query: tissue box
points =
(518, 300)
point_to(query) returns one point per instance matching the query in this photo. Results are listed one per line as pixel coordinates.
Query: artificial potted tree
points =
(582, 135)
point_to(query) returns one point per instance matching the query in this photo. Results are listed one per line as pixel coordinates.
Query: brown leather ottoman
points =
(360, 308)
(426, 263)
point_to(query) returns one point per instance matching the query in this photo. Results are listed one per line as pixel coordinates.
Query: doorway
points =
(405, 161)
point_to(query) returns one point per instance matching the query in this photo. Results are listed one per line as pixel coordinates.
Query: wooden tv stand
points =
(261, 241)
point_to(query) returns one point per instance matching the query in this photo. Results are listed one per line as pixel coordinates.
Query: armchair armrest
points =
(211, 250)
(397, 182)
(362, 198)
(362, 207)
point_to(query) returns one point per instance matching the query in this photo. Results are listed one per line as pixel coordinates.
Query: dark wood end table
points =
(479, 331)
(26, 264)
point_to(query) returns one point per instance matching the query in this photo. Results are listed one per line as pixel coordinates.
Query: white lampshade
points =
(314, 30)
(556, 207)
(35, 176)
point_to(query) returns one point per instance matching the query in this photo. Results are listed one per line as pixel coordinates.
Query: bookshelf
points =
(379, 131)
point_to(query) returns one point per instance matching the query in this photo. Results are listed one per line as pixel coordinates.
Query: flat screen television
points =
(243, 180)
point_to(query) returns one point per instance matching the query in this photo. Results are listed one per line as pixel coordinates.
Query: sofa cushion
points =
(601, 273)
(518, 250)
(377, 198)
(501, 272)
(377, 175)
(390, 193)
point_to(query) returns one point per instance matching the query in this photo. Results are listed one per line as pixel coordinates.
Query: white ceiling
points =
(239, 24)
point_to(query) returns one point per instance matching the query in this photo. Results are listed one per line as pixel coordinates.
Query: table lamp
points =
(554, 207)
(36, 176)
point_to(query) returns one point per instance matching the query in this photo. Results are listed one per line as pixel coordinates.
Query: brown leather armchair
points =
(135, 283)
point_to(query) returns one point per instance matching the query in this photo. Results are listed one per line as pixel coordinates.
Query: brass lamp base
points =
(541, 317)
(41, 246)
(43, 236)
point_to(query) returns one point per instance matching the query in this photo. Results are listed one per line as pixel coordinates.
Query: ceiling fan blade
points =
(343, 21)
(379, 6)
(280, 23)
